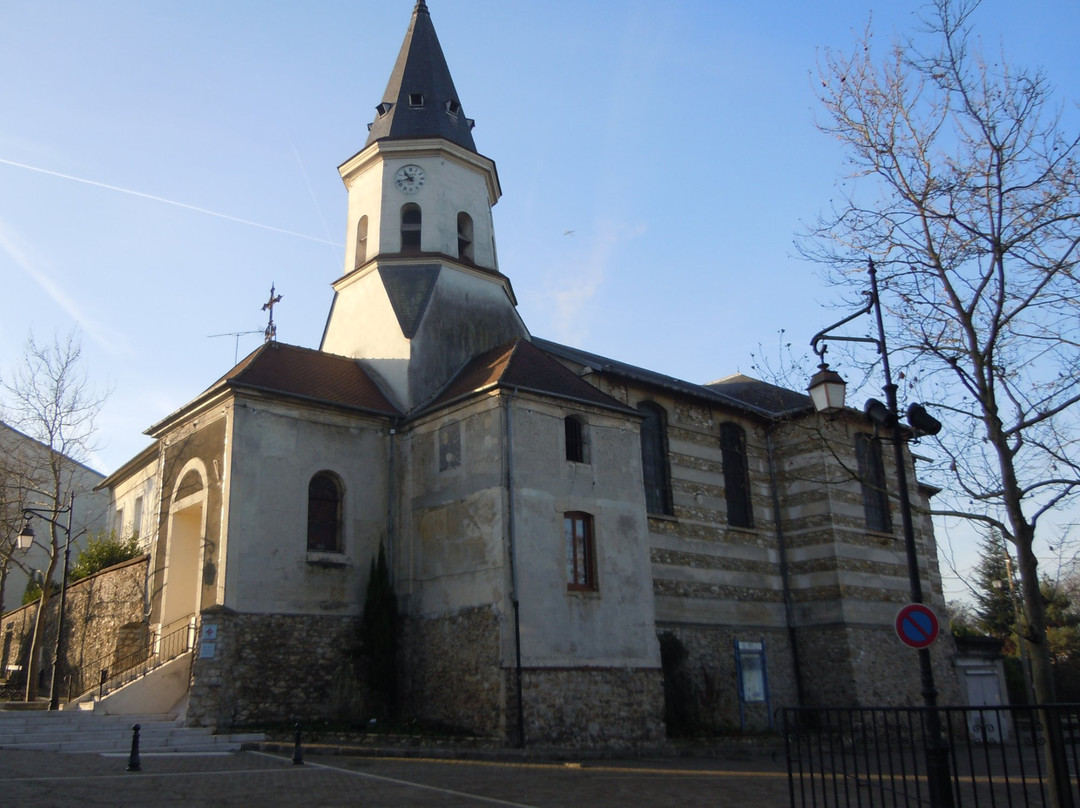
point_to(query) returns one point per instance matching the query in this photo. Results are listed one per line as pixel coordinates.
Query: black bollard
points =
(298, 752)
(134, 764)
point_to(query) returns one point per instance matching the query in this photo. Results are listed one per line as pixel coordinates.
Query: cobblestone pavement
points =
(263, 780)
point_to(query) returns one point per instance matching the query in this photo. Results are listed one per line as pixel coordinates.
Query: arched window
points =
(576, 442)
(324, 513)
(361, 241)
(410, 228)
(464, 236)
(740, 512)
(654, 459)
(580, 551)
(872, 477)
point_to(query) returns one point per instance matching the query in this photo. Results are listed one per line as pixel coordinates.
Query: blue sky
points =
(675, 141)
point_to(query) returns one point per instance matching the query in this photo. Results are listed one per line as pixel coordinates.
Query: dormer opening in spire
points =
(420, 100)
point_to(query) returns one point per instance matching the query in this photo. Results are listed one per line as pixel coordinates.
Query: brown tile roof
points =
(308, 374)
(520, 365)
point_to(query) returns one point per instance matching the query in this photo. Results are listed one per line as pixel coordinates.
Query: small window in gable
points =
(580, 551)
(416, 99)
(465, 236)
(872, 478)
(384, 108)
(740, 512)
(324, 513)
(576, 439)
(410, 228)
(453, 107)
(361, 241)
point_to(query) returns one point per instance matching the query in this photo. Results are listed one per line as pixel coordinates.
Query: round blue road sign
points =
(917, 625)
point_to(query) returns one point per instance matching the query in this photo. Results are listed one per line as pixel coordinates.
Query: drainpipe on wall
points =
(509, 460)
(789, 606)
(391, 493)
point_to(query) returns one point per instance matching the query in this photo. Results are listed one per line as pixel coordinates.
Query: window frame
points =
(872, 481)
(575, 440)
(336, 502)
(736, 469)
(580, 545)
(465, 237)
(411, 231)
(361, 242)
(655, 475)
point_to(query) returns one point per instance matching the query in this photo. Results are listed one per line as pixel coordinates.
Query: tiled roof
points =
(308, 374)
(520, 365)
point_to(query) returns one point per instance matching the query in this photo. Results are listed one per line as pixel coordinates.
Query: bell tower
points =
(421, 292)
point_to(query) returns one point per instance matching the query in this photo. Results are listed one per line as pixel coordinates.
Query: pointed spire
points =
(420, 100)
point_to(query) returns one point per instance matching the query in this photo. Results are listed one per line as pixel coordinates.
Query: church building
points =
(583, 552)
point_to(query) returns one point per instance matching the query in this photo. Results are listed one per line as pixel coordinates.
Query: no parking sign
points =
(917, 625)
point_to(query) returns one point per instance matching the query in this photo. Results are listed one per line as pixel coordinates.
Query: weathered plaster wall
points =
(193, 455)
(613, 625)
(276, 451)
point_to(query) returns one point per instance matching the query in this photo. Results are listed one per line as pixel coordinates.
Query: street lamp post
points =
(26, 538)
(886, 416)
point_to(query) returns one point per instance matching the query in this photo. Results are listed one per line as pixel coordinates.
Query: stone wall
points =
(590, 708)
(452, 674)
(701, 684)
(100, 613)
(261, 669)
(847, 666)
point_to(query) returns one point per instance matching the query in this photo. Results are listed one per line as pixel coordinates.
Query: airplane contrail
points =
(166, 201)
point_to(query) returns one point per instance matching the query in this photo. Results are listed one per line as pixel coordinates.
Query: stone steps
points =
(78, 731)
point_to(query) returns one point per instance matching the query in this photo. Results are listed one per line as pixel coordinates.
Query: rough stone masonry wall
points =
(264, 669)
(590, 708)
(702, 683)
(98, 608)
(450, 673)
(878, 670)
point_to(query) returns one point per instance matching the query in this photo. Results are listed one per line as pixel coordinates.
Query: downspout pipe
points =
(510, 535)
(785, 575)
(391, 498)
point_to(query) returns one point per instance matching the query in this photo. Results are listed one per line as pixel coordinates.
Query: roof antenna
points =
(271, 330)
(237, 334)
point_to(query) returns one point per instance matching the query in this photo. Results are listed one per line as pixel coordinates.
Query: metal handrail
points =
(132, 660)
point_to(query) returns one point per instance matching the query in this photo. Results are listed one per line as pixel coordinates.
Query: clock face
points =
(409, 179)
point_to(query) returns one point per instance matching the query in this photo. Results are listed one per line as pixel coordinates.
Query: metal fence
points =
(992, 756)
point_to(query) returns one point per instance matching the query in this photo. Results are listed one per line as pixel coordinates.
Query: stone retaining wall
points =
(101, 611)
(453, 676)
(591, 708)
(261, 669)
(702, 680)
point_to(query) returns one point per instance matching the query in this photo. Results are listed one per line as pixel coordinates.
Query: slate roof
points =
(420, 73)
(520, 365)
(739, 392)
(762, 395)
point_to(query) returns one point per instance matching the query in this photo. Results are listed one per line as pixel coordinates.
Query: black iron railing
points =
(130, 661)
(997, 756)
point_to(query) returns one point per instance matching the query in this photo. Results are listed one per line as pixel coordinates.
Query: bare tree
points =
(964, 190)
(51, 400)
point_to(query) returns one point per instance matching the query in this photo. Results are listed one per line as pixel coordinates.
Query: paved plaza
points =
(264, 780)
